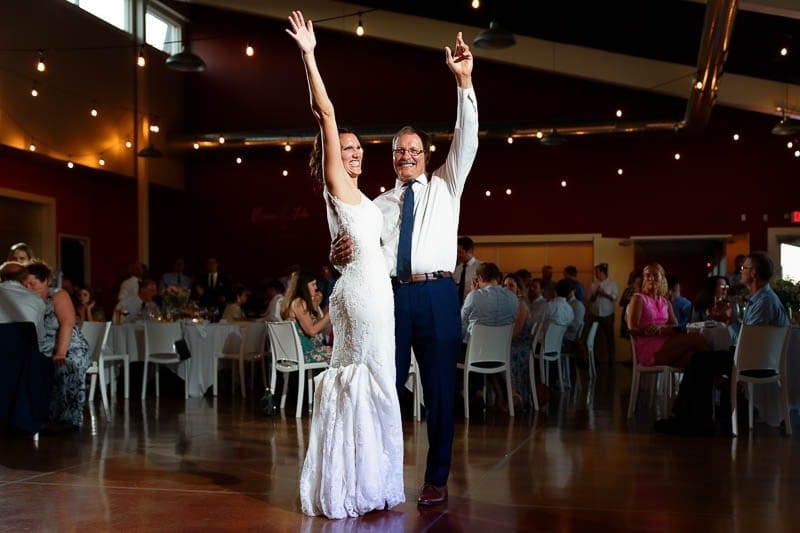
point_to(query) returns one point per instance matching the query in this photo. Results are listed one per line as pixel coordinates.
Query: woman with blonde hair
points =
(652, 325)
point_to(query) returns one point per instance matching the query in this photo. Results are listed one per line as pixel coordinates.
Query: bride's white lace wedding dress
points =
(354, 462)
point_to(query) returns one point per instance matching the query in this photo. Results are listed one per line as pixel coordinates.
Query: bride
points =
(354, 462)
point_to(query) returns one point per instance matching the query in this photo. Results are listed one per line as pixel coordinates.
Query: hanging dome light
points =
(186, 61)
(495, 37)
(150, 151)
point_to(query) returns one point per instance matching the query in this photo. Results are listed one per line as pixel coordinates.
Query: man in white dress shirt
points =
(602, 296)
(141, 305)
(427, 310)
(130, 287)
(18, 304)
(467, 265)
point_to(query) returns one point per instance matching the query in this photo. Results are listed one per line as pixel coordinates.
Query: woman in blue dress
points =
(65, 344)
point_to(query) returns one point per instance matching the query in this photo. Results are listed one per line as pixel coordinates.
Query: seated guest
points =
(85, 306)
(65, 344)
(490, 304)
(487, 302)
(536, 299)
(712, 303)
(233, 310)
(309, 319)
(651, 324)
(18, 304)
(21, 253)
(558, 310)
(691, 412)
(274, 298)
(520, 344)
(142, 305)
(681, 306)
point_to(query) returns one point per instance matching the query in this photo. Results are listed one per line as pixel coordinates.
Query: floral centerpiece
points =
(174, 302)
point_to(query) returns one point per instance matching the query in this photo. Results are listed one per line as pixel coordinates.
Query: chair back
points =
(761, 348)
(591, 336)
(254, 338)
(96, 335)
(160, 337)
(285, 343)
(553, 337)
(489, 344)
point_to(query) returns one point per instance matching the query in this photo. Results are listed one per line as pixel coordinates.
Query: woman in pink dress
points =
(651, 323)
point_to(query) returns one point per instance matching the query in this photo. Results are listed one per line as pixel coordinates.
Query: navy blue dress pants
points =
(428, 318)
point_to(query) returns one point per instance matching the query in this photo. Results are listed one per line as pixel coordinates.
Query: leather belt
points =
(418, 278)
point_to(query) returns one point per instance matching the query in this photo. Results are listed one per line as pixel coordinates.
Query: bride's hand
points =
(302, 32)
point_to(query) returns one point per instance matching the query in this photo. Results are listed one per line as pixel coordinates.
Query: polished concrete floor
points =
(216, 464)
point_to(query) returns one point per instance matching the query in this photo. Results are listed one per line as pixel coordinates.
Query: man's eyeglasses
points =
(413, 152)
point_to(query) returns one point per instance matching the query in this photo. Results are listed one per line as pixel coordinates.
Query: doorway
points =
(27, 218)
(75, 259)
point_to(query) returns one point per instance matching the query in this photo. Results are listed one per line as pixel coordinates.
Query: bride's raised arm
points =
(335, 176)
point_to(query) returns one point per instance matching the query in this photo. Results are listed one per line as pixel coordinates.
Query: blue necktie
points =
(406, 229)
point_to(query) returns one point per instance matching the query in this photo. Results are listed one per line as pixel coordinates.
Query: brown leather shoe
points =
(432, 495)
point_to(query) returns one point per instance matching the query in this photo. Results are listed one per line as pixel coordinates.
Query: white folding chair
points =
(550, 338)
(488, 352)
(573, 354)
(664, 372)
(287, 357)
(590, 339)
(159, 349)
(249, 346)
(760, 358)
(96, 334)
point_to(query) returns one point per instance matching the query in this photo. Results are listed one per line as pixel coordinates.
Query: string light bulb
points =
(93, 112)
(619, 113)
(128, 144)
(433, 148)
(488, 194)
(196, 146)
(285, 173)
(619, 172)
(70, 164)
(40, 66)
(34, 91)
(736, 137)
(141, 61)
(563, 183)
(677, 156)
(360, 27)
(784, 51)
(154, 128)
(476, 4)
(32, 147)
(221, 139)
(508, 192)
(287, 147)
(789, 144)
(249, 50)
(101, 161)
(510, 140)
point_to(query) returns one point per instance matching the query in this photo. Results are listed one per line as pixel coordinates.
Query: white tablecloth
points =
(205, 342)
(716, 333)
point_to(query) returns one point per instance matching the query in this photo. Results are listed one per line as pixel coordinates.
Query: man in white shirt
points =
(130, 287)
(558, 311)
(602, 296)
(141, 306)
(274, 299)
(427, 312)
(464, 272)
(489, 303)
(18, 304)
(538, 303)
